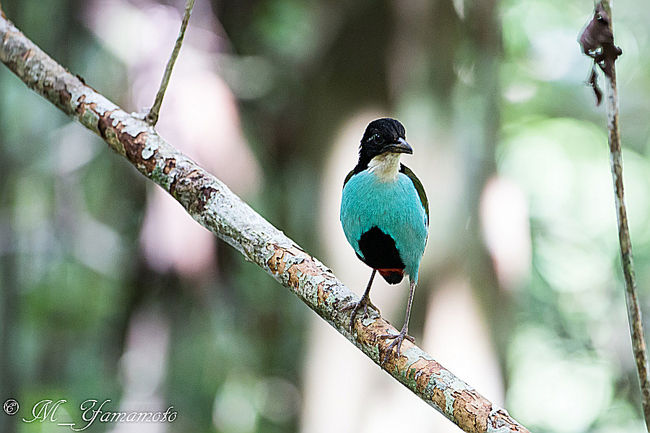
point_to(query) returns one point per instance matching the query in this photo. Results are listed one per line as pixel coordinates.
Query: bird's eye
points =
(376, 138)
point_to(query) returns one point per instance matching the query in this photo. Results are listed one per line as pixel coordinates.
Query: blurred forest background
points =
(109, 291)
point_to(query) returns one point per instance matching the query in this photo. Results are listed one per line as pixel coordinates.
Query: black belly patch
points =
(379, 252)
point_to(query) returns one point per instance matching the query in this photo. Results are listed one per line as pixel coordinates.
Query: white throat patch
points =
(385, 166)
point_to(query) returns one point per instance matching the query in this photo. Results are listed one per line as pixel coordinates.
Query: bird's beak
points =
(401, 146)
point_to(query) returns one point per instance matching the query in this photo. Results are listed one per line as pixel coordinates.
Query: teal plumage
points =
(385, 215)
(394, 207)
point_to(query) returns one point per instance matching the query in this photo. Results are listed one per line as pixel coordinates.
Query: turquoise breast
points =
(394, 207)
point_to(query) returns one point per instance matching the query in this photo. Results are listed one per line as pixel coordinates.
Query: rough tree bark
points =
(215, 207)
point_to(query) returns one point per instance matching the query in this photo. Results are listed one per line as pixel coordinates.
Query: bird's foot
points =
(356, 306)
(397, 342)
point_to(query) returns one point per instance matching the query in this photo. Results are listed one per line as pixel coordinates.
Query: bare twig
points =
(597, 41)
(214, 206)
(152, 116)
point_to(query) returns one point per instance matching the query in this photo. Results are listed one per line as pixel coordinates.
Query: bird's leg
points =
(363, 302)
(405, 328)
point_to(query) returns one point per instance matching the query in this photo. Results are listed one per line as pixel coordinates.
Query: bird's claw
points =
(356, 306)
(398, 339)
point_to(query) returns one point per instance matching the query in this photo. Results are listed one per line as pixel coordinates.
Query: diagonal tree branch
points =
(215, 207)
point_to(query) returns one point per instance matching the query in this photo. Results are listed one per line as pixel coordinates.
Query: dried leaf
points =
(592, 81)
(597, 41)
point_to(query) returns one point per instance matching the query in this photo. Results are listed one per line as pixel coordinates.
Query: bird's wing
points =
(416, 183)
(349, 176)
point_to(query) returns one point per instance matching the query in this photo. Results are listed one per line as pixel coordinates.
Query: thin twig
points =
(631, 298)
(152, 117)
(215, 207)
(598, 42)
(633, 309)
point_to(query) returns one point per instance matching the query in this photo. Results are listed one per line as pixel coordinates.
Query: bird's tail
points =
(392, 275)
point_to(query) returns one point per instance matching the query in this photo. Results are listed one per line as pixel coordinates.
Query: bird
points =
(385, 216)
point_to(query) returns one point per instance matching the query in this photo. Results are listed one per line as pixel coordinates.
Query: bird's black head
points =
(382, 136)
